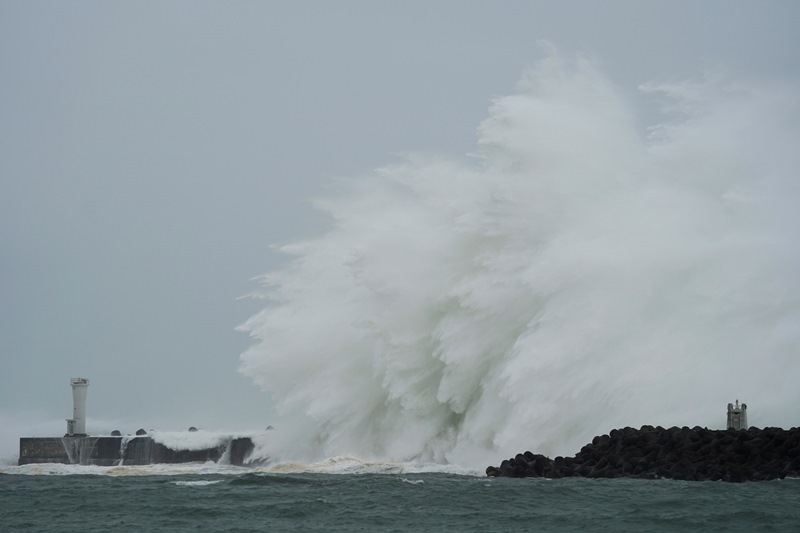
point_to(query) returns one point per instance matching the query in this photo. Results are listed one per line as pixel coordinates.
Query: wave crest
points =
(573, 276)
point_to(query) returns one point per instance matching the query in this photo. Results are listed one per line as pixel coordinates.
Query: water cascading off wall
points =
(579, 274)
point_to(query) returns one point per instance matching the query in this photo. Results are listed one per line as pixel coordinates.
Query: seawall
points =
(129, 450)
(693, 454)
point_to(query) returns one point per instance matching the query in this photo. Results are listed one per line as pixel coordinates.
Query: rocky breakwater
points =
(695, 454)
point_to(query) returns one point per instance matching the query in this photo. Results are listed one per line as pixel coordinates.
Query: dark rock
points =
(676, 453)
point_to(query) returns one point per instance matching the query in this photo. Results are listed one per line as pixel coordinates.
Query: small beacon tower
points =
(76, 426)
(737, 416)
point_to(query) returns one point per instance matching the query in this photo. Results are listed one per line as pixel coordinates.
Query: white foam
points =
(195, 440)
(573, 277)
(332, 465)
(201, 483)
(438, 468)
(55, 469)
(348, 464)
(336, 465)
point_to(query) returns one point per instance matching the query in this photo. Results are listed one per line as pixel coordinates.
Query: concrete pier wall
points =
(42, 450)
(112, 451)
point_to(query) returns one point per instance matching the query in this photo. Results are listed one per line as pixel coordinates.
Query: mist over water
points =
(577, 273)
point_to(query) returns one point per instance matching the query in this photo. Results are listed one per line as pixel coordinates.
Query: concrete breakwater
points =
(128, 450)
(697, 454)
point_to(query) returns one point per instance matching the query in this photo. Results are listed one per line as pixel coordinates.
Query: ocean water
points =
(400, 498)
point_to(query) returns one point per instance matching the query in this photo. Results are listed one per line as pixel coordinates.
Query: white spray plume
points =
(575, 276)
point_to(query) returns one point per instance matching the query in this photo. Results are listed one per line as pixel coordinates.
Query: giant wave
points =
(576, 274)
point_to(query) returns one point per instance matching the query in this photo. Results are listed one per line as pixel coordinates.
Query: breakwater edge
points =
(692, 454)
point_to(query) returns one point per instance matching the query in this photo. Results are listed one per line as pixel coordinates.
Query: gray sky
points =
(151, 152)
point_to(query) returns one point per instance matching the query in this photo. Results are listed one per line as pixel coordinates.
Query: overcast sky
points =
(152, 152)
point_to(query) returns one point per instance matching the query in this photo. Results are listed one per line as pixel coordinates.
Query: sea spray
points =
(123, 446)
(575, 275)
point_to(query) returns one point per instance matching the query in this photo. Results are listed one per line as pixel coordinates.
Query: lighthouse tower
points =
(76, 426)
(737, 416)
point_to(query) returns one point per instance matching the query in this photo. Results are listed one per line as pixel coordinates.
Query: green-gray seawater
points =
(389, 502)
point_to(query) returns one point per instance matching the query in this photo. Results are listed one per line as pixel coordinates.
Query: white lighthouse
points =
(76, 426)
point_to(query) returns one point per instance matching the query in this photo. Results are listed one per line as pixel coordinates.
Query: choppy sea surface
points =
(347, 496)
